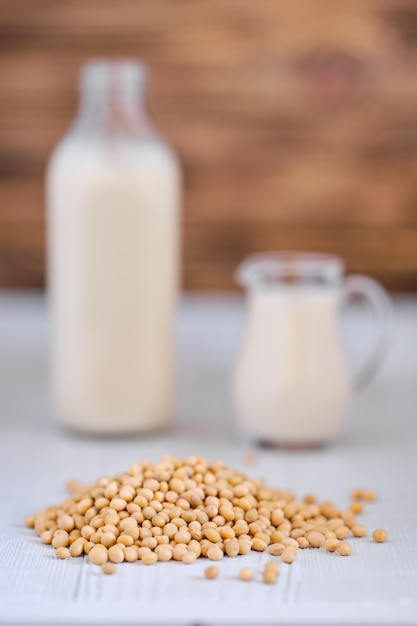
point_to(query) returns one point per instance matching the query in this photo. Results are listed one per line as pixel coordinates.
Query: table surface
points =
(376, 584)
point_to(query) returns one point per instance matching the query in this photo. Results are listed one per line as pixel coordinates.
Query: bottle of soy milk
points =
(113, 204)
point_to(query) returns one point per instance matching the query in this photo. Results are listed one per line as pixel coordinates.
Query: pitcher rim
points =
(289, 266)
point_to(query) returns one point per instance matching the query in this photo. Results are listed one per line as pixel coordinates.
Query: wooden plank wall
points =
(295, 121)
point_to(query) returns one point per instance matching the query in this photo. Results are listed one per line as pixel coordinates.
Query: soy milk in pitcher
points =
(292, 385)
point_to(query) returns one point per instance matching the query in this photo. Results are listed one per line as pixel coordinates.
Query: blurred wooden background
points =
(296, 122)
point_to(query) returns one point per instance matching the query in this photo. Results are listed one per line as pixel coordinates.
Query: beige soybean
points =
(149, 558)
(359, 530)
(112, 517)
(184, 509)
(212, 535)
(133, 553)
(126, 540)
(149, 542)
(356, 506)
(178, 551)
(46, 536)
(331, 544)
(98, 554)
(269, 577)
(30, 521)
(275, 566)
(316, 539)
(60, 541)
(189, 557)
(116, 554)
(184, 536)
(246, 574)
(211, 572)
(369, 495)
(259, 545)
(231, 547)
(214, 553)
(108, 568)
(245, 547)
(108, 539)
(195, 546)
(289, 541)
(276, 549)
(65, 522)
(288, 555)
(163, 552)
(87, 531)
(380, 535)
(77, 547)
(227, 532)
(344, 548)
(62, 553)
(342, 532)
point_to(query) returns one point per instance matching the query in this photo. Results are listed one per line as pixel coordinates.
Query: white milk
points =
(291, 383)
(113, 283)
(113, 192)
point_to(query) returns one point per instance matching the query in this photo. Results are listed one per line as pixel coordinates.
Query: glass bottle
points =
(113, 210)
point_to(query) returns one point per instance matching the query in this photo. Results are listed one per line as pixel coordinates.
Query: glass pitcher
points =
(292, 384)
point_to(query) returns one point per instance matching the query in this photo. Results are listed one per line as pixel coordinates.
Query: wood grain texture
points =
(296, 124)
(376, 585)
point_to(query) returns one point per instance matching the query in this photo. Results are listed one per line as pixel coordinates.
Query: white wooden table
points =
(376, 585)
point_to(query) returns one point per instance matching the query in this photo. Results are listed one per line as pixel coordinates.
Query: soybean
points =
(98, 554)
(108, 568)
(184, 509)
(380, 535)
(211, 572)
(246, 574)
(269, 577)
(62, 553)
(344, 548)
(274, 566)
(288, 555)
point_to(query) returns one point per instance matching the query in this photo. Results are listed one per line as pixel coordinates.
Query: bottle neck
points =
(113, 100)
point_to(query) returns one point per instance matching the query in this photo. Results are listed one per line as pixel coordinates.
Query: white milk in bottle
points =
(113, 195)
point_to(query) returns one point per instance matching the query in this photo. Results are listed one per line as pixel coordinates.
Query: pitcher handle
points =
(373, 295)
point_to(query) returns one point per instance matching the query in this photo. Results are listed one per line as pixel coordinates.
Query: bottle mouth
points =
(126, 76)
(270, 269)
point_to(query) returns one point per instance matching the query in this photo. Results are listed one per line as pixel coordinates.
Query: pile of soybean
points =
(186, 509)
